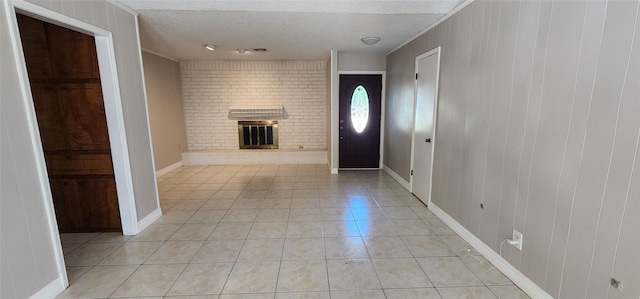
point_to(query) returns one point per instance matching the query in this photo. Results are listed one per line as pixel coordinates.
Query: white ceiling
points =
(289, 29)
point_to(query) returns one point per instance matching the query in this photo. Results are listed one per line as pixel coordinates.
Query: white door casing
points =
(113, 109)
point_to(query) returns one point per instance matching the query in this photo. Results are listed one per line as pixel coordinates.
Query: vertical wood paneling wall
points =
(539, 120)
(27, 261)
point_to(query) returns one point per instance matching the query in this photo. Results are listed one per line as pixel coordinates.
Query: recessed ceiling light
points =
(210, 47)
(242, 51)
(370, 40)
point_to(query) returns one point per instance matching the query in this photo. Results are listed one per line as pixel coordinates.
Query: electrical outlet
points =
(517, 236)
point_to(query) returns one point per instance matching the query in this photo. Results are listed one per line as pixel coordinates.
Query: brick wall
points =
(211, 88)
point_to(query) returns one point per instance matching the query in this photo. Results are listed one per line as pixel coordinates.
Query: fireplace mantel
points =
(258, 113)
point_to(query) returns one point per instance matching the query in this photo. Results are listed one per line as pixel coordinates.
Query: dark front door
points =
(359, 126)
(67, 94)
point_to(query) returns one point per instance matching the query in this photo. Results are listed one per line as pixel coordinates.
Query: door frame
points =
(435, 51)
(336, 103)
(114, 114)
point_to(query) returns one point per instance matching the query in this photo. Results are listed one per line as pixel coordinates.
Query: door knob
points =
(428, 140)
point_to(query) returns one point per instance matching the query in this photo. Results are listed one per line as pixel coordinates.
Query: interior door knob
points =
(428, 140)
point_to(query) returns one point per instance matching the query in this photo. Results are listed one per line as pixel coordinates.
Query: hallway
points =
(283, 231)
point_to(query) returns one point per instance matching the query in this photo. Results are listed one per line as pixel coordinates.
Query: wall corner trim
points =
(161, 55)
(169, 168)
(528, 286)
(397, 177)
(53, 289)
(123, 6)
(149, 219)
(436, 23)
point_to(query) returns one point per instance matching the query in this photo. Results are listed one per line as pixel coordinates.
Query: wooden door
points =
(359, 110)
(65, 83)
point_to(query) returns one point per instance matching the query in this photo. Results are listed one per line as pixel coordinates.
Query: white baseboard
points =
(52, 290)
(168, 168)
(234, 157)
(528, 286)
(398, 178)
(149, 219)
(331, 169)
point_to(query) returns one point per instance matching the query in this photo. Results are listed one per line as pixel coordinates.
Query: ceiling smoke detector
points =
(370, 40)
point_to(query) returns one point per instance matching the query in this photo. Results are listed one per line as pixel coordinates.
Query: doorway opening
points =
(67, 94)
(424, 131)
(104, 48)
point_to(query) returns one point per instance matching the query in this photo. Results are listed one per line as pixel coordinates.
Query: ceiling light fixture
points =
(242, 51)
(370, 40)
(210, 47)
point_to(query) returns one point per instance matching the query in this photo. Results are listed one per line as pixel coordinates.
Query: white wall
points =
(538, 120)
(361, 61)
(166, 115)
(334, 90)
(27, 265)
(328, 141)
(211, 88)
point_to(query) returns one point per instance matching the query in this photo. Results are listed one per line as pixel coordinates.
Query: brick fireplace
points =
(211, 88)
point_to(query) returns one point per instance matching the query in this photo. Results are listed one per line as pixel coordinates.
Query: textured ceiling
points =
(290, 30)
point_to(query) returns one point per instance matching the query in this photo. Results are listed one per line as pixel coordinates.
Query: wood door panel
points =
(85, 204)
(68, 210)
(51, 129)
(35, 47)
(65, 82)
(100, 203)
(62, 164)
(356, 153)
(83, 116)
(73, 54)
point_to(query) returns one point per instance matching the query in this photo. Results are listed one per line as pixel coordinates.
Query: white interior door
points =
(427, 70)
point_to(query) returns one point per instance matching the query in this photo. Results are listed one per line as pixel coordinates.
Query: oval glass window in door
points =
(359, 108)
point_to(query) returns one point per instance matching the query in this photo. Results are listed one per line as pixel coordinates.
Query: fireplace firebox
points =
(261, 134)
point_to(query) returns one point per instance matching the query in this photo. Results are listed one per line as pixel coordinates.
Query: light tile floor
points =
(283, 231)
